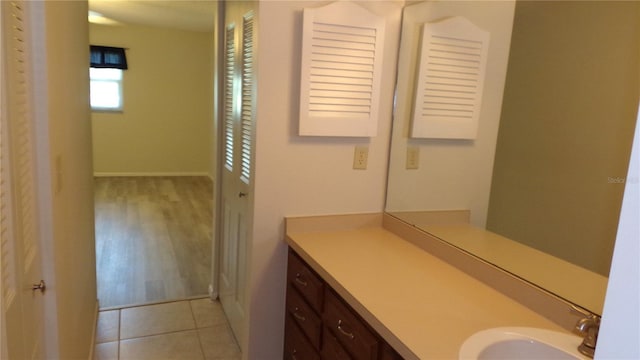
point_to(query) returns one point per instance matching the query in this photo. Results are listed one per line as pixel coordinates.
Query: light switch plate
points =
(360, 157)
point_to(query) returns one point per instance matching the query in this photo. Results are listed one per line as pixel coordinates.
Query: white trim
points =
(3, 332)
(44, 171)
(179, 173)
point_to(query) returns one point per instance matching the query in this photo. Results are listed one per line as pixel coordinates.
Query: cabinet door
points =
(331, 348)
(349, 329)
(306, 319)
(307, 282)
(296, 346)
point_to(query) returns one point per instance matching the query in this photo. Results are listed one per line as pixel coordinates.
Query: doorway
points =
(153, 160)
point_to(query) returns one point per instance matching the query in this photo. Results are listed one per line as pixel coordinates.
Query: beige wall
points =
(72, 296)
(165, 127)
(452, 174)
(303, 175)
(569, 111)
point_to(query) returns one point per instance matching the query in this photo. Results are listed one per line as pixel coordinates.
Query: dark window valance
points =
(108, 57)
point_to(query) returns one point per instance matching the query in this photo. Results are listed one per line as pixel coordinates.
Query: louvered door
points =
(21, 264)
(237, 170)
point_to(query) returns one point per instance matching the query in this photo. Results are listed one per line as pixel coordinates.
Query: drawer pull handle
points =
(293, 354)
(345, 333)
(300, 281)
(298, 316)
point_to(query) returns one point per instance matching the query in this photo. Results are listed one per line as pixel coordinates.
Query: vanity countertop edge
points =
(422, 306)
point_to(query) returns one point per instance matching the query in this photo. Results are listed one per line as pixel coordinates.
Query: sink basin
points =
(521, 343)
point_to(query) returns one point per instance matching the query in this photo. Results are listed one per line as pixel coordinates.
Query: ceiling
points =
(180, 14)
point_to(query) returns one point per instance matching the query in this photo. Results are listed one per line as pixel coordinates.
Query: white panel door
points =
(20, 250)
(238, 139)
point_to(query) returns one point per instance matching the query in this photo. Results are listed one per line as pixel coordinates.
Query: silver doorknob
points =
(39, 286)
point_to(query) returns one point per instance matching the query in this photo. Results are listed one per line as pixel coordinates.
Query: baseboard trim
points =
(142, 174)
(94, 331)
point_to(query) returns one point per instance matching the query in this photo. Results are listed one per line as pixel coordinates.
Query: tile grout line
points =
(159, 334)
(119, 331)
(193, 316)
(158, 302)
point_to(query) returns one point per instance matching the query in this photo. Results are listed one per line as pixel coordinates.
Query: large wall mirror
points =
(544, 177)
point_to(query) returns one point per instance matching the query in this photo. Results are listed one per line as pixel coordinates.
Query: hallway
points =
(184, 330)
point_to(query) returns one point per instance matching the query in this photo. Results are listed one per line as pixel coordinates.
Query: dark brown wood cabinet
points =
(319, 324)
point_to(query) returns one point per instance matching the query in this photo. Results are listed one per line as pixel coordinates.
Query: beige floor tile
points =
(155, 319)
(183, 345)
(106, 351)
(208, 313)
(218, 343)
(108, 326)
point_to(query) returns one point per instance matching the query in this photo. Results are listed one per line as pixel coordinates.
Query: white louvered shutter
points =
(229, 68)
(450, 80)
(7, 248)
(341, 71)
(7, 252)
(18, 223)
(247, 115)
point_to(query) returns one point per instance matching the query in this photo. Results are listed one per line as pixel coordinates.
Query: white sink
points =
(521, 343)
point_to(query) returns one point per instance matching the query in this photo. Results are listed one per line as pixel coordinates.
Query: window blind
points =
(108, 57)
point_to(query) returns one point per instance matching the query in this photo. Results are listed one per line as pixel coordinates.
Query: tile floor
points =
(184, 330)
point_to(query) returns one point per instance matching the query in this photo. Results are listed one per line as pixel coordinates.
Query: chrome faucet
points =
(589, 326)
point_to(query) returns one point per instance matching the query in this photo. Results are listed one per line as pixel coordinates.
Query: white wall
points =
(453, 174)
(71, 243)
(620, 329)
(165, 125)
(303, 175)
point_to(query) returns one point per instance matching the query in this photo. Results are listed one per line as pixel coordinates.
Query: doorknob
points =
(241, 194)
(39, 286)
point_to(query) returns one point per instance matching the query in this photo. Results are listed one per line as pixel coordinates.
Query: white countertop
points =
(421, 305)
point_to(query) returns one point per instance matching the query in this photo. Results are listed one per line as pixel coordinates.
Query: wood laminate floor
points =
(153, 238)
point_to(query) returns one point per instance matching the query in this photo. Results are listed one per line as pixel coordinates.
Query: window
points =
(106, 89)
(107, 64)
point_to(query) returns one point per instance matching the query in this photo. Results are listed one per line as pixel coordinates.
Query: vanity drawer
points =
(305, 281)
(302, 314)
(296, 346)
(332, 349)
(349, 329)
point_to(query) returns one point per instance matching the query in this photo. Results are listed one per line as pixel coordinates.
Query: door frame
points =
(218, 101)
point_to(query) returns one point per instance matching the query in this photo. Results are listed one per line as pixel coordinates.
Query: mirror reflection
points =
(547, 169)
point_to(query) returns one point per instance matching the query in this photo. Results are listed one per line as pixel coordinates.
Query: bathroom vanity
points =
(364, 273)
(320, 324)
